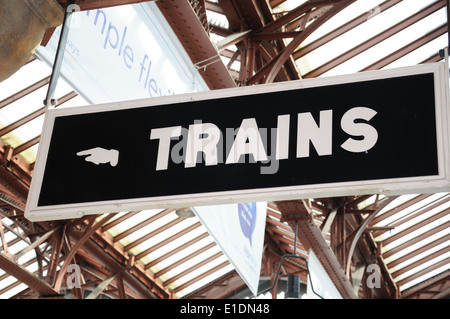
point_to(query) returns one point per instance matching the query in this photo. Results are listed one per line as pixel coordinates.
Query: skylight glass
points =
(416, 233)
(376, 22)
(429, 275)
(417, 245)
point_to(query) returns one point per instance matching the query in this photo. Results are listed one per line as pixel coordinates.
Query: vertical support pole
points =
(344, 237)
(250, 59)
(49, 101)
(121, 287)
(243, 68)
(56, 251)
(295, 237)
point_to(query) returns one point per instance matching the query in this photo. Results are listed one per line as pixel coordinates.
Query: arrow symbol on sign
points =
(99, 155)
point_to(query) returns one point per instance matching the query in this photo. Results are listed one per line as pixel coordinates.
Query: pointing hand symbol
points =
(100, 155)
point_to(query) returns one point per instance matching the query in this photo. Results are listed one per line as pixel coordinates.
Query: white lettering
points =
(373, 280)
(205, 139)
(74, 279)
(368, 132)
(247, 141)
(164, 135)
(192, 309)
(282, 146)
(202, 138)
(319, 135)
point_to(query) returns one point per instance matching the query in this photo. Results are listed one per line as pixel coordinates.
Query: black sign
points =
(275, 141)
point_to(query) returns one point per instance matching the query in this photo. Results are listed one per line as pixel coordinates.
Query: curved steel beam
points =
(91, 230)
(356, 237)
(360, 231)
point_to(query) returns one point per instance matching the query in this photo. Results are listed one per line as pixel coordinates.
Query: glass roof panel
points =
(220, 272)
(161, 251)
(166, 262)
(218, 20)
(420, 256)
(415, 233)
(425, 277)
(421, 54)
(23, 106)
(423, 266)
(151, 227)
(413, 247)
(134, 220)
(414, 209)
(24, 77)
(394, 43)
(198, 272)
(191, 263)
(375, 24)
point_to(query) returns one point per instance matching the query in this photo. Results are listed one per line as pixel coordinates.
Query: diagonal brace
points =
(34, 244)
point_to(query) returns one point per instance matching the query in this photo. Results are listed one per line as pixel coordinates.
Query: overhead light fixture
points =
(293, 287)
(185, 212)
(293, 281)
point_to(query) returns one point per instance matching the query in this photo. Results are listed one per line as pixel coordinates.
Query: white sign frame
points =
(397, 186)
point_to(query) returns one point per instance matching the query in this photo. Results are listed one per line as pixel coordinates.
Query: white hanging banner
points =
(238, 229)
(322, 285)
(123, 53)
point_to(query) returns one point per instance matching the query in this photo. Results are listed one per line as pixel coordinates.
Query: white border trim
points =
(430, 184)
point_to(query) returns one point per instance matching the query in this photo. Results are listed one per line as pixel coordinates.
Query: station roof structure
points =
(157, 254)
